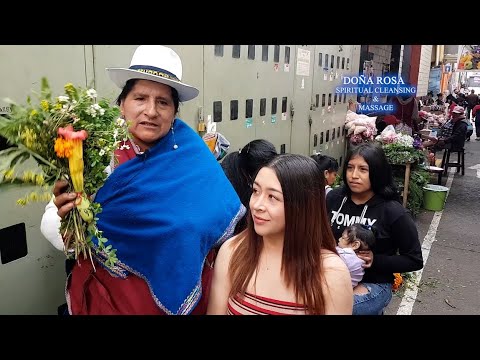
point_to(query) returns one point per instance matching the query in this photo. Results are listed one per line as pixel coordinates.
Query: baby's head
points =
(358, 237)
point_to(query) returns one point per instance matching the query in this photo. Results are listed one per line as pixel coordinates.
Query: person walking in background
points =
(285, 262)
(164, 229)
(242, 166)
(476, 116)
(472, 100)
(329, 167)
(369, 196)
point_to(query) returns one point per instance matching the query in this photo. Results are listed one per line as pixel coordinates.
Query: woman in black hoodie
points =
(370, 196)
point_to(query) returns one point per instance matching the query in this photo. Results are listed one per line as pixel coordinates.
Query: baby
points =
(356, 237)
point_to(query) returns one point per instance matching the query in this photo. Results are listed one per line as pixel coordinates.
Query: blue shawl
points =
(164, 211)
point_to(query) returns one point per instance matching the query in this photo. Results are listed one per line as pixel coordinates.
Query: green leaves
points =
(32, 129)
(400, 154)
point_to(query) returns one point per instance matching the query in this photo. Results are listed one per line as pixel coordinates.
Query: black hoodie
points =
(397, 248)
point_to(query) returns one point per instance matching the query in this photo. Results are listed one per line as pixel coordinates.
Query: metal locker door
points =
(322, 95)
(32, 280)
(229, 87)
(303, 60)
(275, 79)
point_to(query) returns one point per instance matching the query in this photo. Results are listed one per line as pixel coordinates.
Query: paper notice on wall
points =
(248, 123)
(331, 77)
(211, 126)
(303, 62)
(275, 67)
(302, 86)
(286, 67)
(274, 119)
(325, 76)
(284, 116)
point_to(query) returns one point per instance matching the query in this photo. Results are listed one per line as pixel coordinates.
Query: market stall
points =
(403, 152)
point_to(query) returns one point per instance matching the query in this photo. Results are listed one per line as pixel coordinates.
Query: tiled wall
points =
(381, 55)
(424, 70)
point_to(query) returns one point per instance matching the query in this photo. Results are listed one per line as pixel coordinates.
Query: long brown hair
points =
(307, 232)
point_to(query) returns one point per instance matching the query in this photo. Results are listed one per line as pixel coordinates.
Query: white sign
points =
(303, 62)
(211, 126)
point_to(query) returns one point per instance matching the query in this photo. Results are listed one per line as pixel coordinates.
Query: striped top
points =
(258, 305)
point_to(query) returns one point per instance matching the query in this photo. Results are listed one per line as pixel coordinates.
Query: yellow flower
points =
(39, 180)
(22, 202)
(28, 177)
(45, 105)
(70, 90)
(33, 113)
(33, 196)
(9, 174)
(29, 136)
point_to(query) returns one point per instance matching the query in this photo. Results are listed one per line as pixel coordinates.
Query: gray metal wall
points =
(33, 284)
(238, 86)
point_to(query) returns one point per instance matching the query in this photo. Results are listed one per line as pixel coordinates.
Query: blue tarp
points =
(434, 80)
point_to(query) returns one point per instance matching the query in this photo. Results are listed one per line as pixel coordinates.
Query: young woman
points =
(369, 196)
(329, 167)
(285, 262)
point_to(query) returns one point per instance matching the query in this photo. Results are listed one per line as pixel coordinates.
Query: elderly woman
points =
(155, 211)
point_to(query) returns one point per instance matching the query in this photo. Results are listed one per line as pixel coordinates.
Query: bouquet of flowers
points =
(360, 128)
(71, 137)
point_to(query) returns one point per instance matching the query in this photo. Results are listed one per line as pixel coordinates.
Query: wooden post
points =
(406, 184)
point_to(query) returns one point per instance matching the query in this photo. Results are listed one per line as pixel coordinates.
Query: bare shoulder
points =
(231, 244)
(227, 248)
(332, 261)
(337, 286)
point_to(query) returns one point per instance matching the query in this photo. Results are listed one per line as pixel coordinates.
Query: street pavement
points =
(449, 283)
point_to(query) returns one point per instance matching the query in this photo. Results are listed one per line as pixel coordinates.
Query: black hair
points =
(325, 162)
(242, 166)
(131, 83)
(380, 123)
(254, 155)
(380, 171)
(363, 233)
